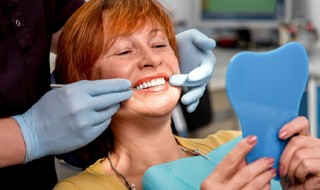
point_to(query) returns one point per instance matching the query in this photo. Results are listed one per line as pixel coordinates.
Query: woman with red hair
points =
(134, 40)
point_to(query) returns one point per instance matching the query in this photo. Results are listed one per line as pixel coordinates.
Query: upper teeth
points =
(153, 82)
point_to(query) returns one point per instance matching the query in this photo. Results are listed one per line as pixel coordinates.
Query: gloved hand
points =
(196, 65)
(70, 117)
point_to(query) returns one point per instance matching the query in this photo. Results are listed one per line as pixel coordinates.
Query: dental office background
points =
(299, 20)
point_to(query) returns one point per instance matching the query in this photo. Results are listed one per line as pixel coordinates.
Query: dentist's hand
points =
(196, 65)
(70, 117)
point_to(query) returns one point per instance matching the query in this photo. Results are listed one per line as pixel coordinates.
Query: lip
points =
(150, 77)
(153, 90)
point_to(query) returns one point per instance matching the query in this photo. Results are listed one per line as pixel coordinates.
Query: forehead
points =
(112, 33)
(144, 30)
(113, 27)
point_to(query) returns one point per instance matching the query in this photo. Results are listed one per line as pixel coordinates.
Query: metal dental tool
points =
(61, 85)
(56, 85)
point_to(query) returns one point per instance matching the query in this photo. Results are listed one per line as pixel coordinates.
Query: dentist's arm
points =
(196, 65)
(12, 146)
(62, 120)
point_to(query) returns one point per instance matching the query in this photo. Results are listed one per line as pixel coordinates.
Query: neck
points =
(139, 145)
(132, 137)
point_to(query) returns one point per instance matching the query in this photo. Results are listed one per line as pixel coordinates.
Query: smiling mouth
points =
(151, 83)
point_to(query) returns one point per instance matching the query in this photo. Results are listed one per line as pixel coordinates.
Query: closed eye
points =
(123, 52)
(160, 46)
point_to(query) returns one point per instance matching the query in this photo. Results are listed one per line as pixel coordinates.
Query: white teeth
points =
(153, 82)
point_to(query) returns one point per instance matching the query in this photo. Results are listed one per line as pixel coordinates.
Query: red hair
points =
(83, 37)
(90, 31)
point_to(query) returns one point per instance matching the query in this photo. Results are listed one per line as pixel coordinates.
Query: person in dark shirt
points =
(37, 122)
(25, 40)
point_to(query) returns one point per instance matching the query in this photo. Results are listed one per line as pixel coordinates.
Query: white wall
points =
(184, 10)
(313, 13)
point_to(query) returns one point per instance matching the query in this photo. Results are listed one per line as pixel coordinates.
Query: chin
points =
(152, 105)
(160, 109)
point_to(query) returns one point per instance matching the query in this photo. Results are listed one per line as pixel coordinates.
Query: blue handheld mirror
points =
(265, 90)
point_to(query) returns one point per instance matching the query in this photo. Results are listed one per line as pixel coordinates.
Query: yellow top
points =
(95, 178)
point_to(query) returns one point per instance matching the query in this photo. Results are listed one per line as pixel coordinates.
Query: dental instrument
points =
(61, 85)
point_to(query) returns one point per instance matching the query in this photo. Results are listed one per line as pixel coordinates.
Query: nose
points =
(149, 58)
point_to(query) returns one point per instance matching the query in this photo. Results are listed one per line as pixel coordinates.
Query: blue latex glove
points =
(196, 65)
(70, 117)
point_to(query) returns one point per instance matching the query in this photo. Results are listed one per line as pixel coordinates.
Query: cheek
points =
(177, 69)
(174, 64)
(109, 71)
(96, 72)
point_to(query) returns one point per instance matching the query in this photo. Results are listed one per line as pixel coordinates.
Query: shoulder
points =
(60, 11)
(223, 136)
(93, 177)
(211, 141)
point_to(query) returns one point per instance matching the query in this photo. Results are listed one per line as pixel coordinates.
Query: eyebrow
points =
(155, 30)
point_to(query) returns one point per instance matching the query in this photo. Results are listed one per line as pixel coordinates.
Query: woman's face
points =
(147, 60)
